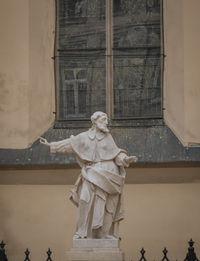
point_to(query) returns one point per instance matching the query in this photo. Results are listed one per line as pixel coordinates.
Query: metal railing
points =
(190, 256)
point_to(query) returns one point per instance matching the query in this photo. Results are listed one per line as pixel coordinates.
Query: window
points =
(109, 59)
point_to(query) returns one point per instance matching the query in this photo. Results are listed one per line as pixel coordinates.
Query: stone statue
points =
(98, 189)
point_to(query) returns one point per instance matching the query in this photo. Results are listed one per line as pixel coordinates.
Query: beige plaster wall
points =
(181, 75)
(157, 215)
(61, 176)
(14, 73)
(41, 92)
(26, 71)
(174, 66)
(192, 70)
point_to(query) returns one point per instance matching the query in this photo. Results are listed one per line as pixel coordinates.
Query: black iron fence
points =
(190, 256)
(3, 256)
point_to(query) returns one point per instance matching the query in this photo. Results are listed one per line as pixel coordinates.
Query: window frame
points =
(143, 121)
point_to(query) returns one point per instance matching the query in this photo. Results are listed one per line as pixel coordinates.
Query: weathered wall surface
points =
(14, 73)
(41, 93)
(26, 71)
(181, 75)
(157, 215)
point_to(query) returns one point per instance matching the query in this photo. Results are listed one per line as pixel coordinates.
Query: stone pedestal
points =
(95, 250)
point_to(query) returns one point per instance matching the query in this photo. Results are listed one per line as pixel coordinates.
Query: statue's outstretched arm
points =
(63, 146)
(44, 142)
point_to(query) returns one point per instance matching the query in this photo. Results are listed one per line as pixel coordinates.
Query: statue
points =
(98, 191)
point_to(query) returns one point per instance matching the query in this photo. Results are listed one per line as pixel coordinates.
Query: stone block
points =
(95, 254)
(95, 243)
(95, 250)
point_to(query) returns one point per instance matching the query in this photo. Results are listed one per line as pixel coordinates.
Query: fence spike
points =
(49, 255)
(191, 243)
(27, 253)
(165, 258)
(2, 244)
(191, 255)
(3, 256)
(142, 251)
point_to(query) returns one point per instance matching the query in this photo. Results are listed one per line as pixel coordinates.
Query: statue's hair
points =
(97, 115)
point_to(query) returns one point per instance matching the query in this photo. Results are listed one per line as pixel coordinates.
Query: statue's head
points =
(100, 121)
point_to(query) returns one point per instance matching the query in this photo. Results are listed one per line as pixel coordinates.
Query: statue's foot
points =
(77, 236)
(110, 237)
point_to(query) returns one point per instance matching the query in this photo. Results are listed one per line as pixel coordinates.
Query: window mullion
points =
(109, 58)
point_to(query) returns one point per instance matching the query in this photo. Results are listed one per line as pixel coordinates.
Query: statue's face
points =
(102, 123)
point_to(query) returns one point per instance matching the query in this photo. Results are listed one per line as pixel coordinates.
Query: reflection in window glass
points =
(82, 88)
(136, 59)
(81, 24)
(137, 80)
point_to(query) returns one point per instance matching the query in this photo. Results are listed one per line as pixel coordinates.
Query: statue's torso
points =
(94, 149)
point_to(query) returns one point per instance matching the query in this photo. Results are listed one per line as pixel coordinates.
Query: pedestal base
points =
(95, 250)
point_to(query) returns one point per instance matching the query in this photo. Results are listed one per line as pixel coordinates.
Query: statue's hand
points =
(131, 159)
(44, 142)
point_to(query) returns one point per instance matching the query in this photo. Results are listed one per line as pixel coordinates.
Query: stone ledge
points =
(156, 144)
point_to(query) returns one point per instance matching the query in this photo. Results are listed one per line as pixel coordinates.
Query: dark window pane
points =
(137, 85)
(81, 24)
(136, 11)
(68, 98)
(68, 74)
(81, 58)
(137, 64)
(82, 94)
(137, 36)
(85, 92)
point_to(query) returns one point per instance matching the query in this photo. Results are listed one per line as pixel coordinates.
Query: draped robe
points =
(98, 190)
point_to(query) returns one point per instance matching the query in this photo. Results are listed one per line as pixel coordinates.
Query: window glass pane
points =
(82, 85)
(81, 24)
(137, 91)
(82, 88)
(136, 23)
(137, 73)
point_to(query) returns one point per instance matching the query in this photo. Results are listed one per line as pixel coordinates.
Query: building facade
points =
(162, 190)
